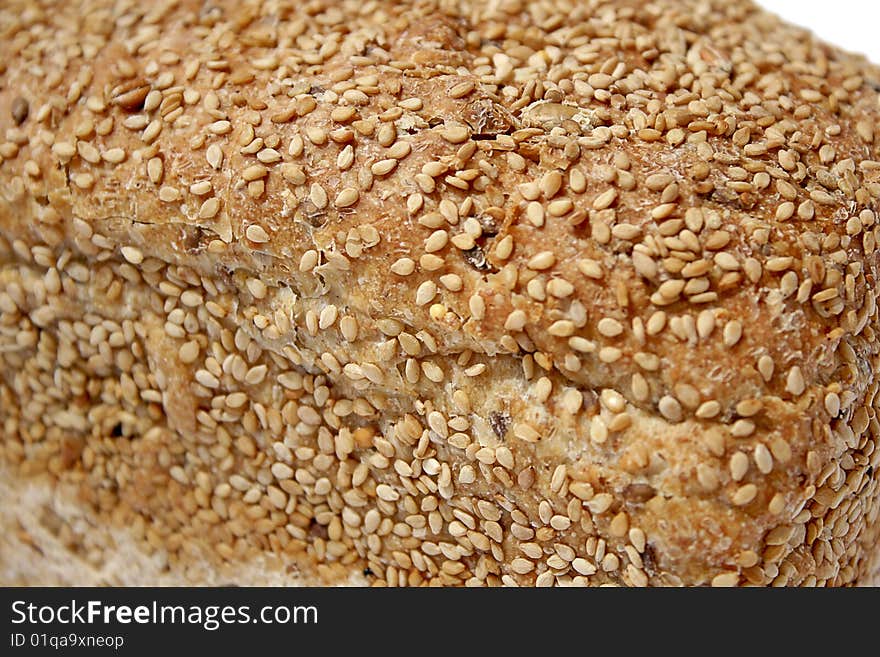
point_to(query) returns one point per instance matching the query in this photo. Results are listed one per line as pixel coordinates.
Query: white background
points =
(851, 24)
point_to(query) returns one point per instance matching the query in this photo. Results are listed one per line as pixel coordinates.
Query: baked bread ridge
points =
(358, 293)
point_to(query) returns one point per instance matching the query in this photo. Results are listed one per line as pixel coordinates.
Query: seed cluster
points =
(546, 293)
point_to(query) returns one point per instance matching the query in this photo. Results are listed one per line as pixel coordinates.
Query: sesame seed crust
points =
(481, 294)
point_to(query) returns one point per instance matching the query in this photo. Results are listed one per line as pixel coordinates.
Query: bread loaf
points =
(435, 293)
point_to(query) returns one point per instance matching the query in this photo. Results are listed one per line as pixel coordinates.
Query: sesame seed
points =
(550, 184)
(525, 432)
(477, 306)
(384, 167)
(168, 194)
(83, 180)
(515, 321)
(64, 150)
(201, 188)
(707, 410)
(281, 471)
(455, 134)
(327, 317)
(132, 255)
(560, 523)
(461, 89)
(151, 132)
(707, 477)
(436, 241)
(463, 241)
(832, 404)
(670, 290)
(732, 333)
(806, 210)
(583, 566)
(403, 267)
(386, 493)
(257, 288)
(347, 197)
(256, 233)
(426, 293)
(749, 407)
(670, 408)
(214, 156)
(794, 382)
(600, 503)
(560, 207)
(114, 155)
(778, 264)
(155, 170)
(348, 326)
(763, 459)
(688, 395)
(316, 135)
(221, 127)
(191, 298)
(308, 261)
(188, 352)
(561, 328)
(254, 172)
(209, 208)
(766, 367)
(605, 200)
(610, 354)
(609, 327)
(742, 428)
(535, 213)
(318, 196)
(521, 566)
(206, 379)
(598, 430)
(541, 261)
(725, 580)
(647, 361)
(560, 288)
(744, 494)
(644, 264)
(739, 465)
(705, 323)
(411, 104)
(628, 232)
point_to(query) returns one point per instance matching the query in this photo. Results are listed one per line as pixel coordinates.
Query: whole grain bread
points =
(435, 293)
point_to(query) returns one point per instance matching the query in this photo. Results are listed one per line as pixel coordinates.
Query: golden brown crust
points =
(484, 293)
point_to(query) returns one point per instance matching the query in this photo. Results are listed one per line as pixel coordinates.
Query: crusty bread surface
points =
(435, 293)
